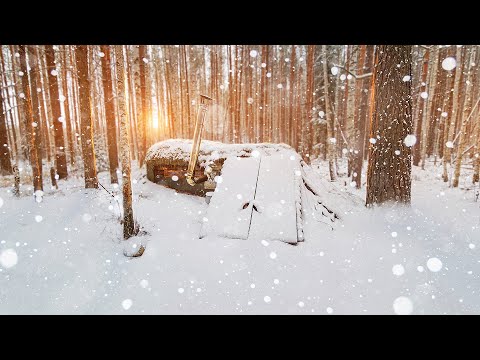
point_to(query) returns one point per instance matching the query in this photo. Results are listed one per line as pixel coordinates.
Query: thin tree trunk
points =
(420, 112)
(88, 151)
(128, 221)
(66, 106)
(60, 156)
(465, 118)
(31, 135)
(109, 113)
(329, 117)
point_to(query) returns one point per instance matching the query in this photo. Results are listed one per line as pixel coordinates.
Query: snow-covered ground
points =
(65, 255)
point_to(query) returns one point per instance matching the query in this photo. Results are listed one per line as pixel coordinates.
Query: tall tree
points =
(5, 163)
(329, 117)
(60, 156)
(389, 163)
(31, 134)
(88, 152)
(128, 221)
(109, 113)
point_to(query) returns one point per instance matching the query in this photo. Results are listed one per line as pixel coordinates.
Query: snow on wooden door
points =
(276, 199)
(230, 210)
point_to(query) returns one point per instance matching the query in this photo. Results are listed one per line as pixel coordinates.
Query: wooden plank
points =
(230, 210)
(276, 199)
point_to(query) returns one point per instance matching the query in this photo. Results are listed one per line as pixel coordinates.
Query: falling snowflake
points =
(420, 268)
(218, 179)
(280, 86)
(255, 153)
(273, 255)
(403, 306)
(145, 60)
(276, 281)
(20, 73)
(449, 63)
(321, 114)
(406, 78)
(471, 246)
(253, 53)
(264, 65)
(38, 218)
(61, 119)
(410, 140)
(181, 290)
(301, 304)
(8, 258)
(269, 74)
(267, 299)
(398, 270)
(101, 54)
(329, 310)
(449, 144)
(349, 76)
(264, 242)
(444, 114)
(434, 264)
(1, 202)
(21, 95)
(343, 77)
(175, 178)
(127, 304)
(334, 70)
(353, 184)
(144, 283)
(424, 95)
(333, 141)
(372, 140)
(397, 152)
(54, 72)
(394, 234)
(250, 100)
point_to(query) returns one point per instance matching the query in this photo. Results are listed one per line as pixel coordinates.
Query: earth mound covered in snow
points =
(180, 149)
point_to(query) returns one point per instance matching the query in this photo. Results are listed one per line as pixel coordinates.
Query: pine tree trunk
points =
(330, 120)
(5, 162)
(12, 119)
(128, 221)
(88, 151)
(450, 120)
(139, 79)
(390, 159)
(109, 114)
(60, 156)
(465, 118)
(66, 106)
(421, 113)
(29, 120)
(36, 111)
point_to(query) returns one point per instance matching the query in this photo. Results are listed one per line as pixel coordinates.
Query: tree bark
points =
(421, 113)
(5, 162)
(88, 151)
(60, 156)
(109, 114)
(331, 141)
(29, 120)
(389, 163)
(128, 221)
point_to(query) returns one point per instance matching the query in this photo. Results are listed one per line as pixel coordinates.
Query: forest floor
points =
(65, 255)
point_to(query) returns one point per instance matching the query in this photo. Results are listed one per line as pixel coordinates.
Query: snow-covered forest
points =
(239, 179)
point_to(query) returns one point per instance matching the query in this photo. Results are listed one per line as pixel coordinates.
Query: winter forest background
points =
(82, 117)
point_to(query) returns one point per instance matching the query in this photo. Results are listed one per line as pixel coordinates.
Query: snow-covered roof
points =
(179, 149)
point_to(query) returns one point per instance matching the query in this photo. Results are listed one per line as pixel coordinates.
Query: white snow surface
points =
(66, 265)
